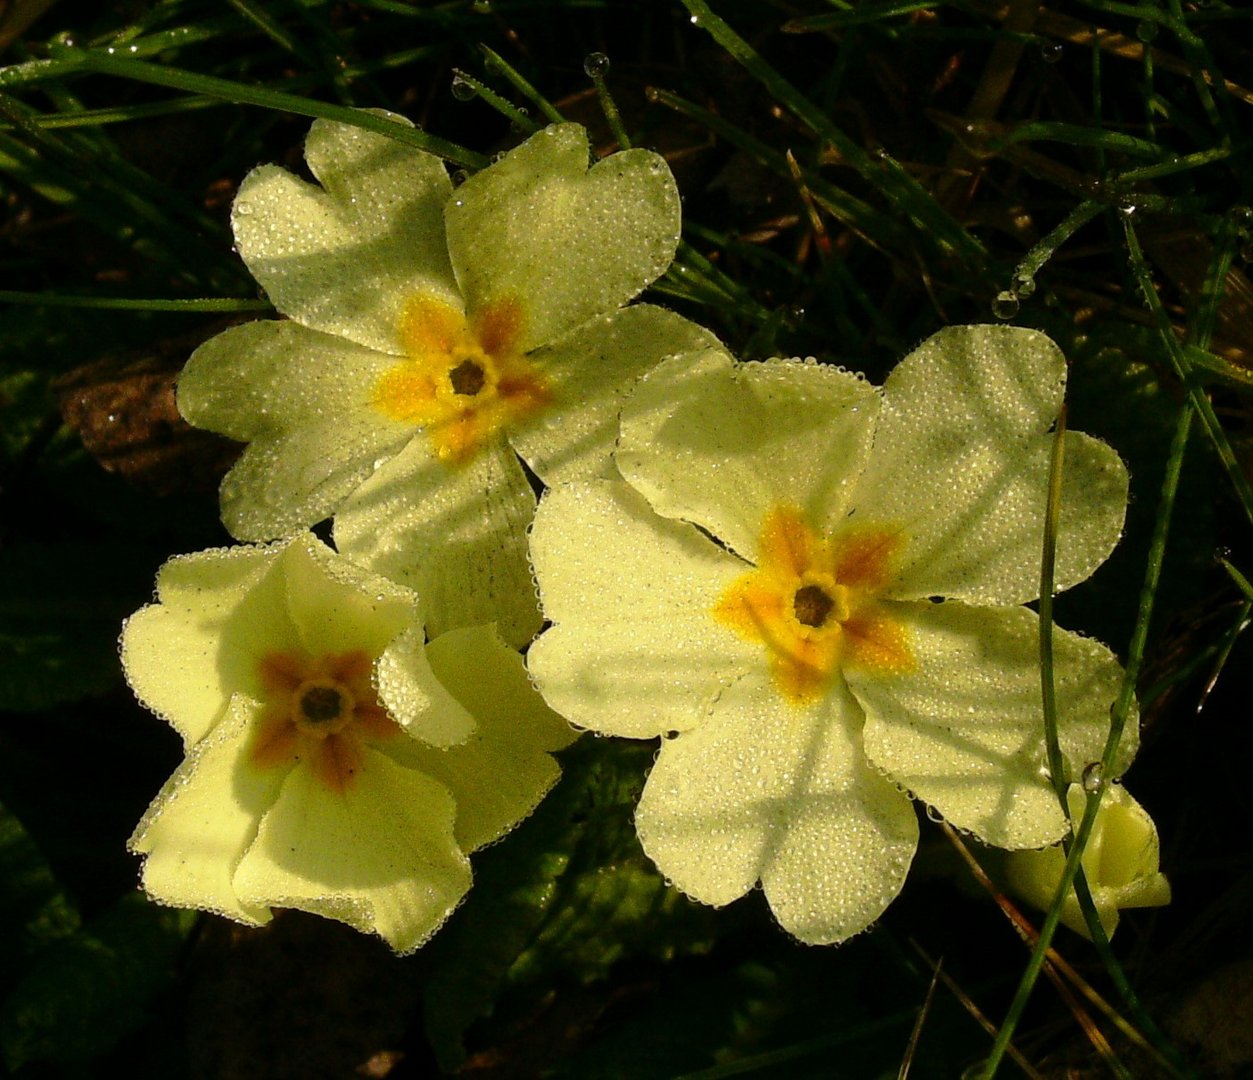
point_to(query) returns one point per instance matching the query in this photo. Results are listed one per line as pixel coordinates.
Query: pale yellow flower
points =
(435, 339)
(811, 588)
(336, 762)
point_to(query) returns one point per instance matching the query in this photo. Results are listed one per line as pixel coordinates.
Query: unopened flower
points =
(336, 762)
(812, 589)
(432, 337)
(1121, 863)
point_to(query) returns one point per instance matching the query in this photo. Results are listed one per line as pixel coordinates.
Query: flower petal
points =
(346, 257)
(565, 242)
(417, 699)
(205, 817)
(304, 401)
(339, 607)
(590, 372)
(498, 776)
(635, 649)
(964, 731)
(765, 790)
(961, 464)
(454, 533)
(722, 444)
(379, 856)
(219, 612)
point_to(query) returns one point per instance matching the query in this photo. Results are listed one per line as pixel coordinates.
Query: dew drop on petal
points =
(1093, 778)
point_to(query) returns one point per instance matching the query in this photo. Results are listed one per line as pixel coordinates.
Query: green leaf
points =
(84, 993)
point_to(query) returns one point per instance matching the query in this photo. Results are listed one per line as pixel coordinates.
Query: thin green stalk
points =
(596, 65)
(1196, 394)
(1177, 164)
(1242, 583)
(1048, 564)
(1043, 249)
(499, 64)
(502, 105)
(45, 299)
(108, 63)
(1118, 719)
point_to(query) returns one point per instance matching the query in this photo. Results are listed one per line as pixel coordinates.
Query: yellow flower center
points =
(319, 710)
(463, 380)
(813, 603)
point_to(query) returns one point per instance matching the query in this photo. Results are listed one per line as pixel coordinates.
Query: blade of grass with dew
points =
(1118, 719)
(875, 228)
(502, 105)
(130, 195)
(497, 63)
(119, 303)
(935, 225)
(178, 79)
(1048, 562)
(1057, 965)
(1174, 351)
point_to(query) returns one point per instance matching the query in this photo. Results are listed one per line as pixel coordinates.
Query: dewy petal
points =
(219, 612)
(635, 649)
(497, 776)
(565, 242)
(199, 826)
(338, 607)
(589, 373)
(344, 258)
(304, 401)
(964, 731)
(417, 699)
(961, 464)
(379, 856)
(765, 790)
(720, 444)
(455, 534)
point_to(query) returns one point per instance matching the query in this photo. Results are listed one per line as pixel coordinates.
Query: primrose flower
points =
(335, 762)
(1121, 863)
(434, 336)
(811, 589)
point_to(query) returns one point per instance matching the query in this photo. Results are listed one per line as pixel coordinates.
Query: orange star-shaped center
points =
(320, 711)
(463, 380)
(813, 603)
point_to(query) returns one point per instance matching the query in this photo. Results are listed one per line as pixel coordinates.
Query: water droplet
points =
(1093, 778)
(462, 89)
(596, 64)
(459, 177)
(518, 124)
(1246, 253)
(934, 815)
(1005, 305)
(1050, 52)
(481, 7)
(243, 209)
(1023, 284)
(1146, 30)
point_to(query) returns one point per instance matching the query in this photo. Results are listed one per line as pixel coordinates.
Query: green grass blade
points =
(107, 63)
